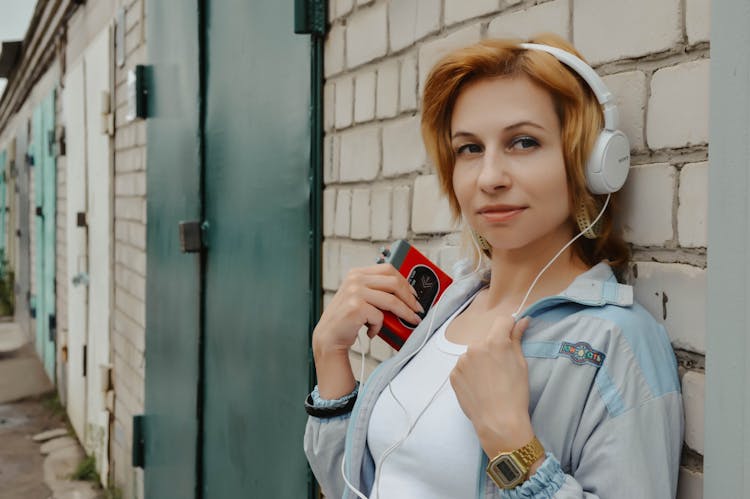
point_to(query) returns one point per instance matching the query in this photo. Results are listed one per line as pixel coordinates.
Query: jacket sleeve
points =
(324, 447)
(633, 454)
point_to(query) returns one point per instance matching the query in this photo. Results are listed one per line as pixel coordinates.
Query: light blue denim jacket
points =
(604, 399)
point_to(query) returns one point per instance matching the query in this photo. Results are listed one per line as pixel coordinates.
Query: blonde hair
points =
(577, 109)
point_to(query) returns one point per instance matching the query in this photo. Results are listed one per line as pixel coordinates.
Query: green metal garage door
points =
(227, 328)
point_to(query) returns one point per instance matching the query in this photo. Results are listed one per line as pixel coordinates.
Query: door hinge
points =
(52, 323)
(139, 441)
(85, 359)
(310, 17)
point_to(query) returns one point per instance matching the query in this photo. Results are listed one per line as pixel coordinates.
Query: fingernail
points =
(420, 307)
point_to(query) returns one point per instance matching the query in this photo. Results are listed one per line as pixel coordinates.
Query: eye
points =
(469, 149)
(524, 143)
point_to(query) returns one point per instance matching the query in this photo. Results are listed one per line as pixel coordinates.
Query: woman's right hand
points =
(361, 299)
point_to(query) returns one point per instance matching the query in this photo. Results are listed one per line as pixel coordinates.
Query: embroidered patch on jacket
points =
(582, 353)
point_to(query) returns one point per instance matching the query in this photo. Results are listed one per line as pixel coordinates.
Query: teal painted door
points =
(227, 329)
(172, 278)
(23, 271)
(44, 246)
(257, 280)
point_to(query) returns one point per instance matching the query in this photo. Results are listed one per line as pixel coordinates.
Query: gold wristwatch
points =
(510, 469)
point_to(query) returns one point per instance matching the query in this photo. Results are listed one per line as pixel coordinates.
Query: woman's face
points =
(509, 177)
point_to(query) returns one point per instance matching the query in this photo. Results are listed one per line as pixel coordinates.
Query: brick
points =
(366, 35)
(380, 350)
(131, 184)
(364, 97)
(630, 90)
(334, 50)
(411, 20)
(549, 17)
(401, 212)
(456, 11)
(331, 146)
(342, 220)
(697, 20)
(344, 102)
(360, 214)
(693, 398)
(329, 211)
(329, 106)
(647, 204)
(331, 262)
(131, 208)
(387, 91)
(692, 210)
(403, 150)
(364, 2)
(690, 484)
(431, 52)
(603, 30)
(380, 213)
(678, 106)
(430, 209)
(359, 155)
(675, 294)
(356, 254)
(408, 84)
(362, 343)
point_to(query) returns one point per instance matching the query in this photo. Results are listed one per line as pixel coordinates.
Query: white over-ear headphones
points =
(609, 161)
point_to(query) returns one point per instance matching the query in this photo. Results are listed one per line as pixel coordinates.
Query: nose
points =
(494, 172)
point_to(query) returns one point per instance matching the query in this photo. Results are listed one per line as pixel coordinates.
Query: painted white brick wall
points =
(678, 106)
(549, 17)
(459, 10)
(697, 20)
(604, 30)
(360, 155)
(655, 64)
(366, 35)
(344, 99)
(675, 294)
(360, 214)
(630, 89)
(693, 396)
(364, 97)
(408, 84)
(403, 150)
(647, 200)
(410, 20)
(387, 90)
(692, 212)
(430, 210)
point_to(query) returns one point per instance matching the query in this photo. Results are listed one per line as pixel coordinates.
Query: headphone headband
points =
(594, 81)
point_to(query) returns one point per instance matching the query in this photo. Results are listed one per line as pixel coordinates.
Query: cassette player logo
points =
(582, 353)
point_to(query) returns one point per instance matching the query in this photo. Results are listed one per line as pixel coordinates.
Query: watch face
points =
(506, 472)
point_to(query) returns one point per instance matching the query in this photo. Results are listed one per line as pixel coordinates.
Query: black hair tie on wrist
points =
(328, 412)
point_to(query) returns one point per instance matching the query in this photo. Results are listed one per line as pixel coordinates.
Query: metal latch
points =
(191, 236)
(139, 441)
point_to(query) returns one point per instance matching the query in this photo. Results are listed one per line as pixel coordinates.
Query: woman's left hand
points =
(491, 382)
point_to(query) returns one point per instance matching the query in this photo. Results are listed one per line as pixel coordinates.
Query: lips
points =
(500, 212)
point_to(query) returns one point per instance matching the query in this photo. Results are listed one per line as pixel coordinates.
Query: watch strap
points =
(530, 453)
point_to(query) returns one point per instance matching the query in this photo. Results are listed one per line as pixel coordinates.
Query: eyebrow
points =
(519, 124)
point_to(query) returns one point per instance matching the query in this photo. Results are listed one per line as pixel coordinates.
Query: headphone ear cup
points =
(609, 162)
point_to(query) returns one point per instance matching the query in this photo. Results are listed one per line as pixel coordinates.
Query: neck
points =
(513, 272)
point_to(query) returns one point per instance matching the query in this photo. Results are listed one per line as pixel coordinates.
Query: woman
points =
(578, 397)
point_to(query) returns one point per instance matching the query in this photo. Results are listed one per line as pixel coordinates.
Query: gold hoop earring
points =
(481, 241)
(584, 223)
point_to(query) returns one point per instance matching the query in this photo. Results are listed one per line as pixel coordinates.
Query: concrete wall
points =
(379, 186)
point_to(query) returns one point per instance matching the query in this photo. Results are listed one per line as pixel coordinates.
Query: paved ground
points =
(21, 463)
(34, 466)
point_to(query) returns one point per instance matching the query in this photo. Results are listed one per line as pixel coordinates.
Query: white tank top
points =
(441, 456)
